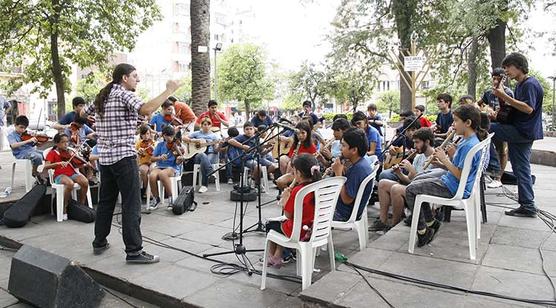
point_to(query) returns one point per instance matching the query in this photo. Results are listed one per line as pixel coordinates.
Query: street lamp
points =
(216, 49)
(553, 98)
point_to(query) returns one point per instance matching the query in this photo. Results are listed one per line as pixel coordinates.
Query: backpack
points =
(80, 212)
(185, 201)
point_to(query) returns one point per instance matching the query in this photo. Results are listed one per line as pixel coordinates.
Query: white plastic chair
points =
(326, 195)
(264, 178)
(197, 171)
(175, 189)
(361, 226)
(470, 205)
(59, 189)
(28, 172)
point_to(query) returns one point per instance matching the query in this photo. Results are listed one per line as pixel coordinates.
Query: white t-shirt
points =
(419, 163)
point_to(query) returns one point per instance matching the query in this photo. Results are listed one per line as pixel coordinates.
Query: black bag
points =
(508, 178)
(20, 212)
(185, 201)
(248, 193)
(80, 212)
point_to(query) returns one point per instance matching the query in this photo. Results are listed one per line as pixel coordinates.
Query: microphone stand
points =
(399, 136)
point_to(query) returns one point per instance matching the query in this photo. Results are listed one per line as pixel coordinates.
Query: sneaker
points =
(521, 212)
(99, 250)
(407, 220)
(378, 225)
(203, 189)
(423, 239)
(65, 217)
(494, 184)
(153, 205)
(230, 181)
(142, 258)
(435, 226)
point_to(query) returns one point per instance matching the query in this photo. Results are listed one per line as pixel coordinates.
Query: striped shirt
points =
(117, 127)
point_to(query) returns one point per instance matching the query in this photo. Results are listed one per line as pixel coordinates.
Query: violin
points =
(74, 158)
(74, 138)
(173, 120)
(41, 138)
(148, 146)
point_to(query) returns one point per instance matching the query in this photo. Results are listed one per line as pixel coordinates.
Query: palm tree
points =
(200, 61)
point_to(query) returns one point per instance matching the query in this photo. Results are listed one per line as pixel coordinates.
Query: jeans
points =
(35, 156)
(120, 177)
(206, 162)
(519, 151)
(388, 174)
(493, 162)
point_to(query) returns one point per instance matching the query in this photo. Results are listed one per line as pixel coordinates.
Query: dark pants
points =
(519, 152)
(121, 177)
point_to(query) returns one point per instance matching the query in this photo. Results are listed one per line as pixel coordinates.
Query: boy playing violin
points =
(23, 145)
(145, 150)
(164, 118)
(64, 173)
(78, 132)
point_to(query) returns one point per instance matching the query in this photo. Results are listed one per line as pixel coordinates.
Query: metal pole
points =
(215, 72)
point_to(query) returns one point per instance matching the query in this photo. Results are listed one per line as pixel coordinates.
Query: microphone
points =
(285, 120)
(288, 127)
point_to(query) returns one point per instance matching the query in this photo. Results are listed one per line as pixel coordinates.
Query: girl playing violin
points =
(64, 173)
(145, 150)
(168, 164)
(78, 132)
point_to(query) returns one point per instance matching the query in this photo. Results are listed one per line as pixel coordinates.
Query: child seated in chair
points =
(168, 165)
(306, 170)
(145, 149)
(64, 172)
(25, 149)
(467, 121)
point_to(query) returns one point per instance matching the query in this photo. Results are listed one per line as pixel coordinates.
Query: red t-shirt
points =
(308, 212)
(425, 122)
(303, 149)
(213, 119)
(54, 157)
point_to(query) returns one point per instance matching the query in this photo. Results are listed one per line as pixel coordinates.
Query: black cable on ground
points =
(119, 297)
(369, 284)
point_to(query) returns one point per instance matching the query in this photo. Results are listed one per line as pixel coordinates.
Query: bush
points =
(328, 116)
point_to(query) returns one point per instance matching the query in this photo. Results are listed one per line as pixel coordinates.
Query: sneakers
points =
(142, 258)
(494, 184)
(378, 225)
(153, 204)
(521, 212)
(99, 250)
(65, 217)
(230, 181)
(203, 189)
(423, 239)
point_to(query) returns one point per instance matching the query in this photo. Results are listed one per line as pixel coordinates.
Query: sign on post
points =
(413, 63)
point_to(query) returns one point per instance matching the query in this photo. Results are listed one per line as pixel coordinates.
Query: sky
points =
(294, 30)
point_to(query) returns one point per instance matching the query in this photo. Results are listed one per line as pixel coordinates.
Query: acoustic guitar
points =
(505, 110)
(193, 148)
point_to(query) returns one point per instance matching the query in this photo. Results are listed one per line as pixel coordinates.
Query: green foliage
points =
(547, 87)
(351, 86)
(88, 32)
(89, 86)
(183, 94)
(242, 75)
(389, 102)
(328, 116)
(292, 102)
(309, 82)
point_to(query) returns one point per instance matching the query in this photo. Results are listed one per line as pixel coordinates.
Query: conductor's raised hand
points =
(173, 85)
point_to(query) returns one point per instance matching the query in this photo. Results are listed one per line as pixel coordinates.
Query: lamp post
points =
(553, 98)
(217, 48)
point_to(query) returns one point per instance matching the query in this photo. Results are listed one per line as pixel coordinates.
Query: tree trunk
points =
(497, 41)
(200, 61)
(247, 110)
(55, 57)
(472, 67)
(403, 11)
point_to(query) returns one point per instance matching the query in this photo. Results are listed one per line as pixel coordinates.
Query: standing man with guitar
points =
(524, 128)
(116, 110)
(497, 113)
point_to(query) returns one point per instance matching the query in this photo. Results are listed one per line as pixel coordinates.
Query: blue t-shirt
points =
(94, 150)
(459, 158)
(210, 136)
(444, 121)
(170, 162)
(23, 150)
(313, 116)
(377, 117)
(530, 92)
(355, 175)
(257, 122)
(374, 136)
(234, 152)
(83, 132)
(492, 100)
(68, 118)
(159, 122)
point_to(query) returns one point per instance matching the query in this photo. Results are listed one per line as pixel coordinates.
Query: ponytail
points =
(308, 166)
(121, 70)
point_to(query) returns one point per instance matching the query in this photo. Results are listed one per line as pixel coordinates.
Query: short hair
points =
(168, 130)
(307, 103)
(143, 129)
(261, 128)
(406, 114)
(172, 99)
(410, 123)
(212, 103)
(518, 60)
(340, 124)
(78, 100)
(420, 108)
(445, 97)
(356, 138)
(58, 137)
(167, 103)
(358, 116)
(206, 119)
(372, 106)
(466, 99)
(261, 113)
(81, 120)
(424, 133)
(248, 124)
(339, 116)
(233, 132)
(22, 120)
(498, 72)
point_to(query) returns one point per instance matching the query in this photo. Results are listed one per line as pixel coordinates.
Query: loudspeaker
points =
(48, 280)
